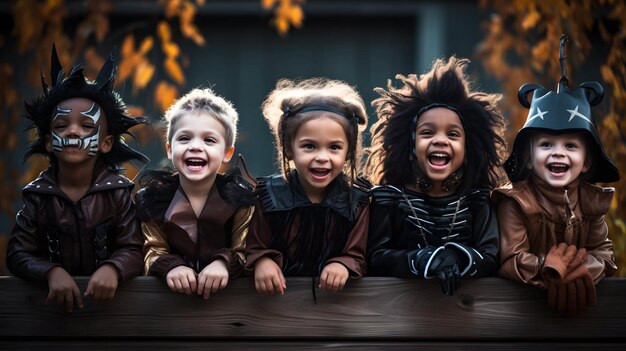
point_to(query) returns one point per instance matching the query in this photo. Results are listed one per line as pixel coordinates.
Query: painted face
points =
(320, 149)
(77, 126)
(439, 144)
(198, 148)
(558, 159)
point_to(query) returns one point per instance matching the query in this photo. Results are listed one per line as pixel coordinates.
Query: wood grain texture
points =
(368, 310)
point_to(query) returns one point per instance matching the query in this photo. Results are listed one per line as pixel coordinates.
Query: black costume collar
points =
(276, 195)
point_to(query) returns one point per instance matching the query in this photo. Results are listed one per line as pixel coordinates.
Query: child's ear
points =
(228, 154)
(48, 140)
(107, 144)
(168, 150)
(587, 164)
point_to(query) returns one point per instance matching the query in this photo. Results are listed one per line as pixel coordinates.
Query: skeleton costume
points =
(411, 233)
(408, 229)
(52, 230)
(535, 216)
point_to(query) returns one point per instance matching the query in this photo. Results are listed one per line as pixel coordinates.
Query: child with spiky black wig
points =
(553, 232)
(78, 217)
(311, 218)
(434, 153)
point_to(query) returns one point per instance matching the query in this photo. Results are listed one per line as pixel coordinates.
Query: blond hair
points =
(204, 100)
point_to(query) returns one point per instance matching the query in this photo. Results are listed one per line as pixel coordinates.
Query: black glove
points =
(445, 265)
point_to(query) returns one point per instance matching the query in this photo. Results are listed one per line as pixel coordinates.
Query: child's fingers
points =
(178, 285)
(570, 252)
(193, 283)
(215, 284)
(52, 296)
(89, 291)
(561, 248)
(323, 279)
(579, 259)
(334, 287)
(185, 286)
(201, 283)
(69, 301)
(277, 285)
(223, 282)
(171, 284)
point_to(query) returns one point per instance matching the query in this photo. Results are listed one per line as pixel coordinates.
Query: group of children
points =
(435, 211)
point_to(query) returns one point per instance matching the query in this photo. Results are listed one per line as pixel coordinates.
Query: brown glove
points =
(557, 262)
(575, 293)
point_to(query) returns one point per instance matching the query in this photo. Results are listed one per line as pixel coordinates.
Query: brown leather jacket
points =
(220, 233)
(51, 230)
(533, 217)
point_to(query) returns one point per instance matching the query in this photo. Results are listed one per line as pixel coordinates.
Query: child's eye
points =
(308, 146)
(335, 147)
(571, 146)
(88, 126)
(59, 126)
(210, 140)
(183, 138)
(545, 144)
(454, 134)
(425, 132)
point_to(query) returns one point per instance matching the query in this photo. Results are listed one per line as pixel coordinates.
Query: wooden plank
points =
(375, 309)
(194, 345)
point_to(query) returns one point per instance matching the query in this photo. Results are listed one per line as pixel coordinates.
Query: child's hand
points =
(212, 278)
(268, 278)
(182, 279)
(333, 277)
(103, 283)
(63, 289)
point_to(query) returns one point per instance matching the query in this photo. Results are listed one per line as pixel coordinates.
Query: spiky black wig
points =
(40, 110)
(391, 161)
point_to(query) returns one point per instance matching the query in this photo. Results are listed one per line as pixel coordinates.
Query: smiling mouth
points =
(558, 168)
(439, 159)
(319, 172)
(195, 163)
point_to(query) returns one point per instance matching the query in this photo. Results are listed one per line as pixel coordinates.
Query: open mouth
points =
(319, 172)
(195, 163)
(439, 159)
(558, 168)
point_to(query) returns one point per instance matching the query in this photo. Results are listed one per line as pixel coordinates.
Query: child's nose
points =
(195, 144)
(440, 140)
(73, 130)
(321, 157)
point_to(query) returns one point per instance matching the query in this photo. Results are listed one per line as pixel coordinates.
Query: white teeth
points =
(558, 165)
(438, 155)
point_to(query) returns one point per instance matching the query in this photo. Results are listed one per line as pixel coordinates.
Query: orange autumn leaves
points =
(287, 13)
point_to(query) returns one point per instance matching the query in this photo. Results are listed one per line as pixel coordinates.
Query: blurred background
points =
(164, 48)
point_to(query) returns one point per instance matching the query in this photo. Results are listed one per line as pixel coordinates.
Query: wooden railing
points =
(372, 313)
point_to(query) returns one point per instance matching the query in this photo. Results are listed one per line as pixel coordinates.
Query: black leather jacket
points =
(51, 230)
(395, 238)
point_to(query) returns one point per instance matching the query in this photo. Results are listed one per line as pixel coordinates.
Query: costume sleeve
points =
(600, 258)
(353, 254)
(518, 263)
(235, 255)
(127, 255)
(26, 249)
(480, 259)
(158, 260)
(384, 257)
(258, 240)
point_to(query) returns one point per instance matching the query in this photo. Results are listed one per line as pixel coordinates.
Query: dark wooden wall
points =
(372, 313)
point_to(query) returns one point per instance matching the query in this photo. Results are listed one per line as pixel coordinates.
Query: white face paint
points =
(91, 141)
